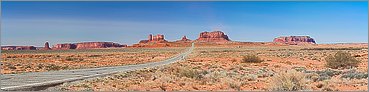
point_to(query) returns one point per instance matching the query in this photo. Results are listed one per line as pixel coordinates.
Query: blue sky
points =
(33, 23)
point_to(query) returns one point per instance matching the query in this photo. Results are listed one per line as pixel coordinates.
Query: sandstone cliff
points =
(293, 40)
(184, 39)
(18, 48)
(154, 39)
(46, 46)
(86, 45)
(215, 36)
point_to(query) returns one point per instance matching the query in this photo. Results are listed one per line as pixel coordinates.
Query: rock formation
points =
(64, 46)
(157, 39)
(293, 40)
(86, 45)
(47, 46)
(18, 48)
(184, 39)
(215, 36)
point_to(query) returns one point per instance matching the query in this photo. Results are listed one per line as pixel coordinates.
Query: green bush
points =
(341, 60)
(251, 59)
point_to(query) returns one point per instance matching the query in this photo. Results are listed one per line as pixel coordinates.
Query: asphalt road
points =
(42, 80)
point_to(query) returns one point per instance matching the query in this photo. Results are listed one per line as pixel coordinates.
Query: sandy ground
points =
(51, 60)
(222, 69)
(208, 68)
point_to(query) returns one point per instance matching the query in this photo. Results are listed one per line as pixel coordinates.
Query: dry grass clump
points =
(251, 59)
(190, 73)
(341, 60)
(288, 81)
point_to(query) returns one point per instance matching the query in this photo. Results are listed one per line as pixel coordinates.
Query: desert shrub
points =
(327, 74)
(300, 69)
(324, 74)
(234, 60)
(28, 66)
(190, 73)
(312, 76)
(263, 72)
(341, 60)
(94, 55)
(214, 76)
(69, 59)
(288, 81)
(250, 77)
(40, 66)
(73, 59)
(327, 86)
(12, 67)
(53, 67)
(353, 74)
(251, 59)
(234, 84)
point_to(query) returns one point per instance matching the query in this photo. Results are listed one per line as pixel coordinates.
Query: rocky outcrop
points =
(184, 39)
(86, 45)
(46, 46)
(215, 36)
(64, 46)
(294, 40)
(18, 48)
(156, 39)
(89, 45)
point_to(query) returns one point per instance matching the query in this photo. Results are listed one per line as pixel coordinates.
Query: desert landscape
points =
(14, 62)
(225, 68)
(287, 64)
(184, 46)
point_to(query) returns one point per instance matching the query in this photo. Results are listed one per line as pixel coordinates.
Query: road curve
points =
(42, 80)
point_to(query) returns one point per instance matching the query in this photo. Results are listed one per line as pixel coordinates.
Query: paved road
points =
(42, 80)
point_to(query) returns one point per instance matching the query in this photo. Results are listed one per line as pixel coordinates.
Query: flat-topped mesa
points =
(64, 46)
(86, 45)
(215, 36)
(89, 45)
(157, 39)
(18, 48)
(294, 40)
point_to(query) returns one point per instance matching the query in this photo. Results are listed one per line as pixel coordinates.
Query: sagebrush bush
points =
(353, 74)
(341, 60)
(251, 59)
(288, 81)
(190, 73)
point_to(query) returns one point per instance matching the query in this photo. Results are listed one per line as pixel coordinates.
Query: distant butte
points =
(47, 46)
(86, 45)
(215, 36)
(154, 39)
(204, 39)
(18, 48)
(294, 40)
(184, 39)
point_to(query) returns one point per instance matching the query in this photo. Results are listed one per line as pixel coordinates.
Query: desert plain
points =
(208, 68)
(293, 63)
(23, 61)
